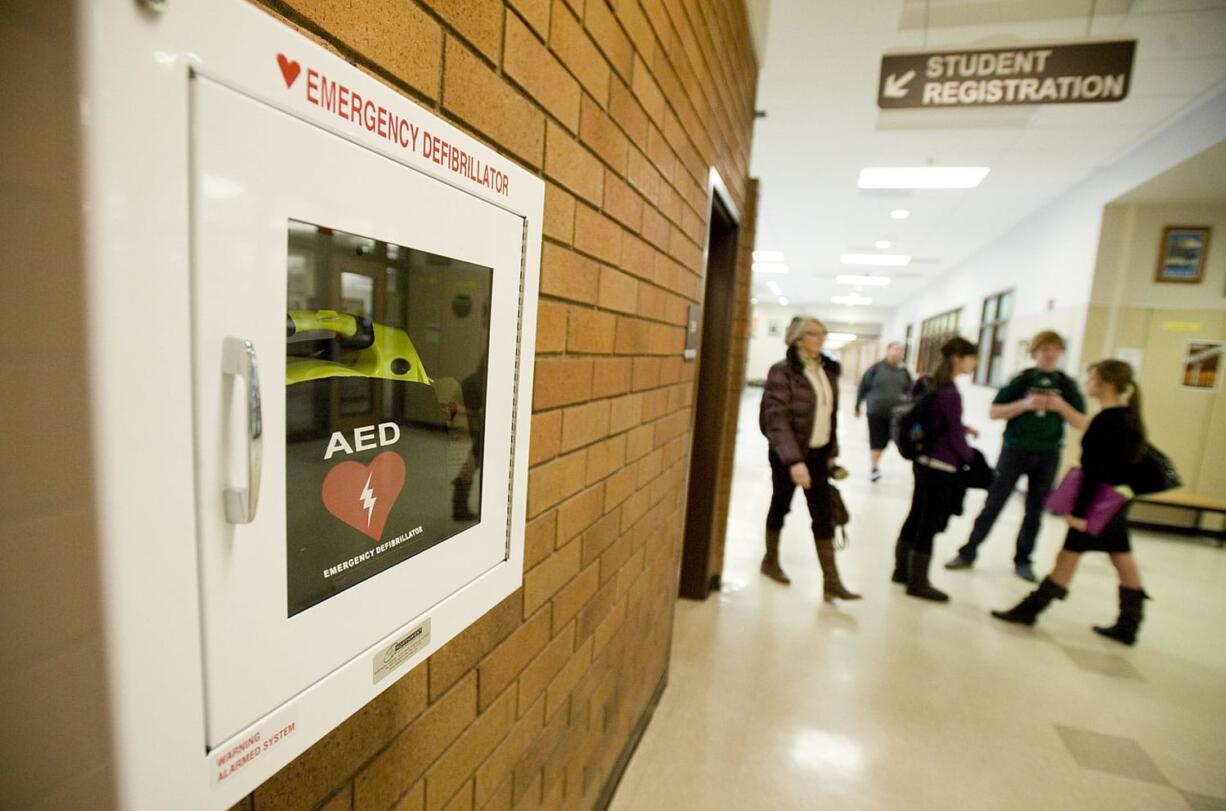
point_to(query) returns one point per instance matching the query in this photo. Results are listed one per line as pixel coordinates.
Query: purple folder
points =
(1103, 507)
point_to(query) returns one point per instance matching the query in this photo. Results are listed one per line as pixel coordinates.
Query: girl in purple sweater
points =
(938, 487)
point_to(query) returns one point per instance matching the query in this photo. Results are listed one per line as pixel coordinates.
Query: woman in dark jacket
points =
(1110, 449)
(799, 417)
(939, 488)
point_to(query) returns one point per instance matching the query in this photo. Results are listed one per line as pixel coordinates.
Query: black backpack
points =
(909, 428)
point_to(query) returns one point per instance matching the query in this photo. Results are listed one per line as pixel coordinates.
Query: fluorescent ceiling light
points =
(841, 337)
(854, 300)
(769, 267)
(775, 288)
(753, 300)
(783, 302)
(768, 256)
(881, 259)
(882, 244)
(922, 177)
(900, 214)
(867, 281)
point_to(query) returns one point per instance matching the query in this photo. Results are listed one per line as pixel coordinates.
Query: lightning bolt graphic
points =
(368, 499)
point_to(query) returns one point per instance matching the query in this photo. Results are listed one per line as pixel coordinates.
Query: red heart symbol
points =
(289, 69)
(362, 495)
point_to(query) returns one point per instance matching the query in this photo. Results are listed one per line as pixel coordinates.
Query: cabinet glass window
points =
(386, 357)
(934, 332)
(993, 327)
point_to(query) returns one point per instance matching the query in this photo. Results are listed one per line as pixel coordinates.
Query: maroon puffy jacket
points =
(788, 406)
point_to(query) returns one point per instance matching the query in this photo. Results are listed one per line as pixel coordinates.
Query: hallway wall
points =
(621, 107)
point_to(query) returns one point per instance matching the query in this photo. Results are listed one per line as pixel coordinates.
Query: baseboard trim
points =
(636, 735)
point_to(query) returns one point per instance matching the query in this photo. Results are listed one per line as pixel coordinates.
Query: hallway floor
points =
(778, 701)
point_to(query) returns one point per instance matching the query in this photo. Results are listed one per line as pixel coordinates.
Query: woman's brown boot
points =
(770, 563)
(832, 586)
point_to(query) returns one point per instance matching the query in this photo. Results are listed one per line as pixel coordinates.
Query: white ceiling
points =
(818, 87)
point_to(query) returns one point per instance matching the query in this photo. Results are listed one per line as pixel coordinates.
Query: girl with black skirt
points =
(1110, 449)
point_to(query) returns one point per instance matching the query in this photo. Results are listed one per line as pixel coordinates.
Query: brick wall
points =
(620, 105)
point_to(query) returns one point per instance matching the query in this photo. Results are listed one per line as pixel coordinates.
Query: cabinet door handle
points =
(238, 359)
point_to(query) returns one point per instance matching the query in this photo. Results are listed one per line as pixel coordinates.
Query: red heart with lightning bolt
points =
(362, 495)
(289, 69)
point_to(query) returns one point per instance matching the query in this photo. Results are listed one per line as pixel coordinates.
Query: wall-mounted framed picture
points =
(1182, 255)
(1202, 365)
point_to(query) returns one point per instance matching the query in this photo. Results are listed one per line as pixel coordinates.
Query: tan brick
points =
(479, 97)
(536, 12)
(550, 483)
(478, 21)
(530, 65)
(597, 235)
(410, 752)
(462, 800)
(633, 336)
(590, 331)
(550, 327)
(579, 513)
(584, 424)
(652, 301)
(609, 627)
(569, 163)
(598, 537)
(618, 291)
(635, 507)
(561, 688)
(643, 176)
(603, 459)
(449, 664)
(647, 91)
(539, 538)
(501, 667)
(400, 39)
(618, 487)
(568, 275)
(622, 203)
(610, 376)
(639, 442)
(541, 671)
(626, 111)
(528, 768)
(646, 373)
(655, 405)
(546, 436)
(602, 136)
(492, 777)
(561, 381)
(457, 765)
(592, 614)
(671, 204)
(415, 800)
(650, 466)
(638, 258)
(341, 801)
(609, 37)
(318, 771)
(656, 229)
(559, 221)
(576, 50)
(544, 581)
(626, 412)
(574, 595)
(670, 371)
(661, 154)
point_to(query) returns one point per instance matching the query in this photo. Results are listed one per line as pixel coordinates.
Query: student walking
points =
(799, 417)
(939, 488)
(1111, 448)
(1037, 403)
(883, 386)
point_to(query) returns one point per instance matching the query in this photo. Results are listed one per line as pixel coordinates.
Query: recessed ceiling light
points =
(854, 300)
(882, 244)
(868, 281)
(769, 267)
(922, 177)
(768, 256)
(881, 259)
(783, 302)
(900, 214)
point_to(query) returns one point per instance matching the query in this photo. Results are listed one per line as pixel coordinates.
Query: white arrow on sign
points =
(896, 86)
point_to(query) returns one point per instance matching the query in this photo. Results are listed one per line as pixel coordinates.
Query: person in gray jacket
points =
(883, 386)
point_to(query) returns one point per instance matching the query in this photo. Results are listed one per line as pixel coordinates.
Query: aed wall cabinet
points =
(312, 307)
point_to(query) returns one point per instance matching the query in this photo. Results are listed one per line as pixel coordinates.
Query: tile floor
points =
(778, 701)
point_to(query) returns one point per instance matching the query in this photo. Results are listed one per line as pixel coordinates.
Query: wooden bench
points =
(1193, 503)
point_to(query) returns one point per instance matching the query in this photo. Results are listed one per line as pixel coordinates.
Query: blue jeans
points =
(1040, 471)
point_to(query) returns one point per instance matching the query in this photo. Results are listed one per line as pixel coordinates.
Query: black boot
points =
(770, 563)
(900, 562)
(1132, 611)
(917, 579)
(1033, 604)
